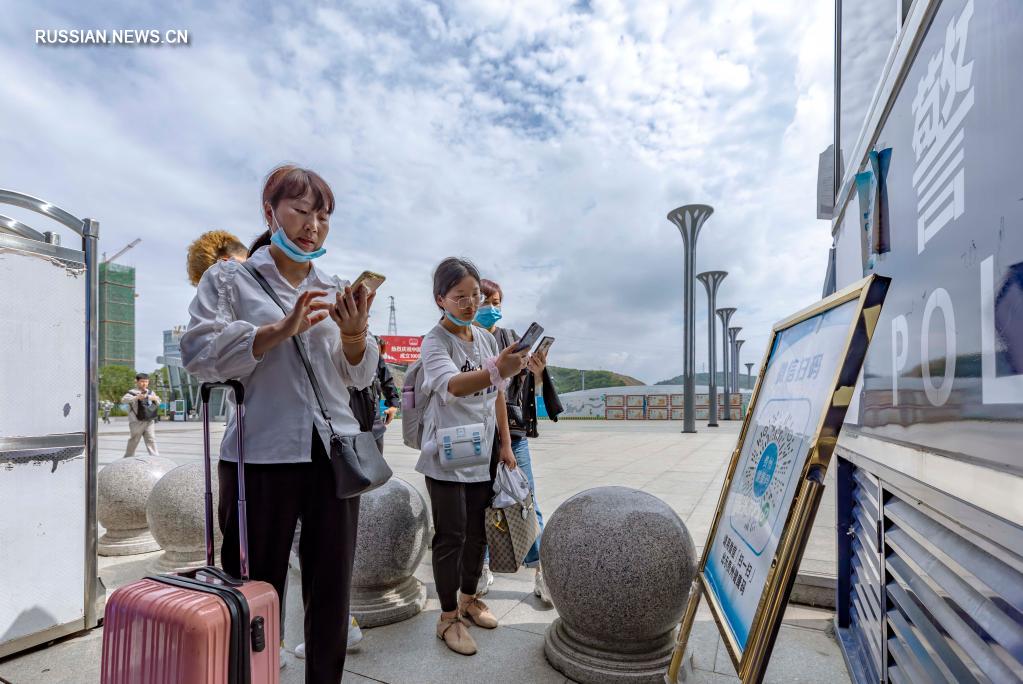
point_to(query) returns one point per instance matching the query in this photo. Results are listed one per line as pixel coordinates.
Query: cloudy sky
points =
(545, 141)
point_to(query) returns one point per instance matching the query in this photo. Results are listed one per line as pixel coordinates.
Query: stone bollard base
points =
(589, 663)
(377, 606)
(127, 542)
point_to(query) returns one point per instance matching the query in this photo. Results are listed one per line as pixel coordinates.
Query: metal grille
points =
(865, 576)
(955, 600)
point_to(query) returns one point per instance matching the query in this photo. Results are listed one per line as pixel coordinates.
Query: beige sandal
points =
(477, 612)
(454, 634)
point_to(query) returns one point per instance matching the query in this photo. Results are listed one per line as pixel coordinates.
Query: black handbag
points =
(358, 465)
(146, 409)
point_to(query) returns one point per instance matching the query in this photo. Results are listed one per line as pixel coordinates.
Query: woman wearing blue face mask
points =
(238, 331)
(465, 432)
(522, 419)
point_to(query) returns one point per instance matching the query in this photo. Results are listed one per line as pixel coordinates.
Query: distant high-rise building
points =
(116, 315)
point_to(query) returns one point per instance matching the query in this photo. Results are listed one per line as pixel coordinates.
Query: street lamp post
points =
(689, 219)
(749, 370)
(711, 282)
(725, 314)
(733, 362)
(738, 346)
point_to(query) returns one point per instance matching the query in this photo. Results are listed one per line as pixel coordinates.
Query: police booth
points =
(49, 586)
(929, 192)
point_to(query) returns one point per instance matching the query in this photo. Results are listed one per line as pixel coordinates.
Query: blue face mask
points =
(290, 249)
(488, 316)
(457, 321)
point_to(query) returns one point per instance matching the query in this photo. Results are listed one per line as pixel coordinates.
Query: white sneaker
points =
(486, 579)
(283, 661)
(354, 632)
(540, 589)
(354, 637)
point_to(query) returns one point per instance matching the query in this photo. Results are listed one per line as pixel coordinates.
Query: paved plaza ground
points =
(686, 471)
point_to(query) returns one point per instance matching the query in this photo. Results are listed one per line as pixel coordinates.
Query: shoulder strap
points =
(299, 344)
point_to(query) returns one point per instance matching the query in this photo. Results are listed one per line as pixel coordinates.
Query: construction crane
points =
(130, 245)
(392, 323)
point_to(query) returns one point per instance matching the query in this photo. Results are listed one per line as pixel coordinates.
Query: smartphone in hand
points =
(371, 280)
(544, 346)
(533, 333)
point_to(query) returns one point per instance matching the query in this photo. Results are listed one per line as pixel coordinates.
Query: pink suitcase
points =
(201, 626)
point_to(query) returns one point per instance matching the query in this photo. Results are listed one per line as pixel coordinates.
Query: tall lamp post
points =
(733, 363)
(689, 219)
(738, 346)
(725, 314)
(749, 371)
(711, 282)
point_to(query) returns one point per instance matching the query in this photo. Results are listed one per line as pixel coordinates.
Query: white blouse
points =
(280, 407)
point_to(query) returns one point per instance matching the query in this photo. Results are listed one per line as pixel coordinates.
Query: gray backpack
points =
(414, 400)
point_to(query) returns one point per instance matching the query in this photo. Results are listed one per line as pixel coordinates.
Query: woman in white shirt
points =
(237, 331)
(465, 432)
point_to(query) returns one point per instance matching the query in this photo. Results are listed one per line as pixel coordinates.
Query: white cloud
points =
(543, 141)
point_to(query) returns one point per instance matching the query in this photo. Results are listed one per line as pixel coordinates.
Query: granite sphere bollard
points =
(177, 517)
(123, 487)
(393, 526)
(619, 564)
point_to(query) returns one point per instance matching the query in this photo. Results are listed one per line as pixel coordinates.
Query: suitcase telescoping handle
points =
(243, 524)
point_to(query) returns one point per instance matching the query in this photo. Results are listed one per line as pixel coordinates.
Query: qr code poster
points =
(767, 477)
(796, 391)
(614, 401)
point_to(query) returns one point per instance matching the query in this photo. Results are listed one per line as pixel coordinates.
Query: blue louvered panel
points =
(865, 581)
(954, 601)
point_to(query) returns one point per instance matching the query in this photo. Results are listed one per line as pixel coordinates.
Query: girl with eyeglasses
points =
(465, 375)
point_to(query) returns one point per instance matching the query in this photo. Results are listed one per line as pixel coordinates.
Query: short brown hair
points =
(211, 247)
(289, 181)
(489, 288)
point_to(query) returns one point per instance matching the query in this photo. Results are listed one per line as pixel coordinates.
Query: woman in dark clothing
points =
(522, 420)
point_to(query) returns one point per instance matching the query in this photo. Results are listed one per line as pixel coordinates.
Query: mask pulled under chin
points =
(457, 321)
(290, 249)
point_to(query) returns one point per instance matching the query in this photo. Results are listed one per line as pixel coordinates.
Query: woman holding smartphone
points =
(237, 331)
(521, 411)
(465, 433)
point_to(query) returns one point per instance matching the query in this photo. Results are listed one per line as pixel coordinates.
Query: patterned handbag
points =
(511, 532)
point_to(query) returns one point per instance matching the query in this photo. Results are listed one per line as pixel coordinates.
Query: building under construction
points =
(116, 315)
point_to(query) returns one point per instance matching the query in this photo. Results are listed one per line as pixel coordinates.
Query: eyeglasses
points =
(467, 302)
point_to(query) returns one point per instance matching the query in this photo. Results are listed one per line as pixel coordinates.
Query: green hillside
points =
(571, 379)
(704, 378)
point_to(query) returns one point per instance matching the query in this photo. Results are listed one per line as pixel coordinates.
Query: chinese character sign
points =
(795, 392)
(944, 96)
(401, 350)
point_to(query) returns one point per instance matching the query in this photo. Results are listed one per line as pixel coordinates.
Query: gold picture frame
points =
(751, 662)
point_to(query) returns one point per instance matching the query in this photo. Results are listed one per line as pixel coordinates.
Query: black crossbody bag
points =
(358, 465)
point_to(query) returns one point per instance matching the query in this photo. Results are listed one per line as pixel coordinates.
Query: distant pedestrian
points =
(106, 406)
(366, 403)
(143, 407)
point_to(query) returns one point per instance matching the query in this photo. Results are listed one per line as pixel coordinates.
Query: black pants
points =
(278, 495)
(459, 538)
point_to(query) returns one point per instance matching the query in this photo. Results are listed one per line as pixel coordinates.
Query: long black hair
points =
(449, 273)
